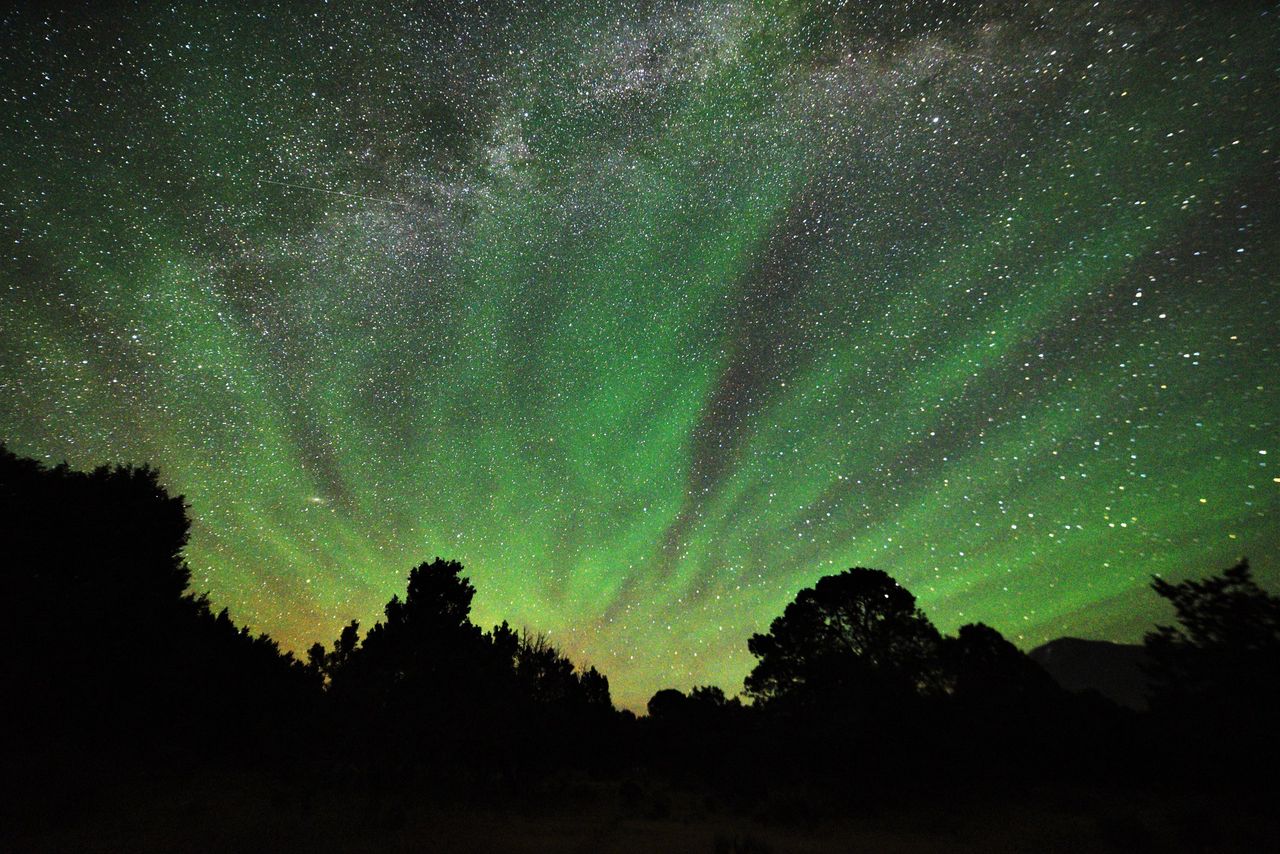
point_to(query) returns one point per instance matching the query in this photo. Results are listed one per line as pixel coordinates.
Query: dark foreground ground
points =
(246, 812)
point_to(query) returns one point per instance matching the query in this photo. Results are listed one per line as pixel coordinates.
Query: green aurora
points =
(653, 313)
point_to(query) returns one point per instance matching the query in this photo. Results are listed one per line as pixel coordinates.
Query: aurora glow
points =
(652, 314)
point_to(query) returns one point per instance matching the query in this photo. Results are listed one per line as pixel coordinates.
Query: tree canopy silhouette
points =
(441, 692)
(984, 669)
(424, 658)
(1225, 650)
(853, 638)
(108, 646)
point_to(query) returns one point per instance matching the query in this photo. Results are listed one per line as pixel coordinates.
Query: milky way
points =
(652, 314)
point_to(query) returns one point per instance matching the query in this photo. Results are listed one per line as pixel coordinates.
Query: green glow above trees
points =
(679, 308)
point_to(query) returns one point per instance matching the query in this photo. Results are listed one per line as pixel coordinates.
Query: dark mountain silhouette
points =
(1114, 670)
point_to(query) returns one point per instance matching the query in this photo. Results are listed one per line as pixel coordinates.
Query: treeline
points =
(113, 658)
(112, 661)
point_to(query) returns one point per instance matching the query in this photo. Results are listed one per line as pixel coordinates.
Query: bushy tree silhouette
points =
(595, 689)
(1224, 654)
(441, 693)
(999, 705)
(666, 704)
(702, 734)
(984, 670)
(423, 677)
(853, 639)
(548, 677)
(328, 662)
(702, 702)
(109, 651)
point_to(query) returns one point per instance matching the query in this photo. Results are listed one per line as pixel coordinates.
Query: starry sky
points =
(652, 313)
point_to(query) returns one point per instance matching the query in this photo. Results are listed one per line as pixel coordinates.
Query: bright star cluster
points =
(652, 313)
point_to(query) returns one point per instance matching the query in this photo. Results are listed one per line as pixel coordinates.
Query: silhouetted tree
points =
(712, 697)
(983, 669)
(999, 705)
(329, 662)
(109, 651)
(432, 689)
(853, 639)
(705, 703)
(1224, 654)
(701, 734)
(546, 676)
(667, 704)
(420, 671)
(595, 689)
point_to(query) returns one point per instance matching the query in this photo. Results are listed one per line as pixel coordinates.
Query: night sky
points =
(653, 313)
